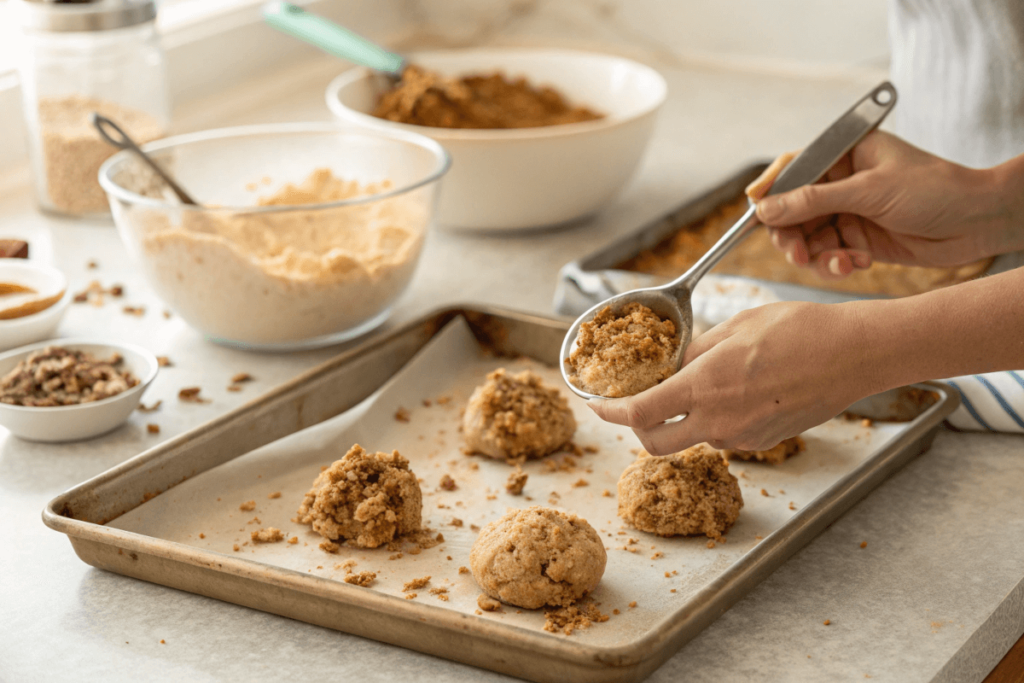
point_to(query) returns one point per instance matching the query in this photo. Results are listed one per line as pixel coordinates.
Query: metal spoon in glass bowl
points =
(672, 301)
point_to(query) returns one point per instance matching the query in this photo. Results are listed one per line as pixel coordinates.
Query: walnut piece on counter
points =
(55, 376)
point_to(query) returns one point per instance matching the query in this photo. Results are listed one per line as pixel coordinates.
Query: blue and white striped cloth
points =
(991, 402)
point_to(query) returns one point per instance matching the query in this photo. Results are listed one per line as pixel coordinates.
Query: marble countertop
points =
(936, 595)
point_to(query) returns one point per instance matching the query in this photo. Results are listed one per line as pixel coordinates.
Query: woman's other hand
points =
(889, 201)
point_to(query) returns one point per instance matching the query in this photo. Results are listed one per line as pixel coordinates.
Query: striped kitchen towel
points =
(991, 402)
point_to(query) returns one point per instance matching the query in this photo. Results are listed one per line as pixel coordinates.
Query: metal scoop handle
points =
(123, 141)
(808, 167)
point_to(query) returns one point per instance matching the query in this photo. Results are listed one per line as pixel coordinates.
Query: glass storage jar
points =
(80, 57)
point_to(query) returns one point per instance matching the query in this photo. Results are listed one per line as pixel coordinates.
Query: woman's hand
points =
(889, 201)
(764, 375)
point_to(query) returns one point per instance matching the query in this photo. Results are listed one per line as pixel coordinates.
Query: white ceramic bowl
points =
(55, 424)
(47, 281)
(529, 177)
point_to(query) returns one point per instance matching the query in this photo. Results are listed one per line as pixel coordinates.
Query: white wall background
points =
(814, 37)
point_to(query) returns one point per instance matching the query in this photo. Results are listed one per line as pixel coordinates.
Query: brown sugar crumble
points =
(402, 415)
(268, 535)
(55, 376)
(274, 495)
(293, 540)
(202, 535)
(153, 428)
(463, 570)
(440, 593)
(363, 579)
(516, 482)
(581, 615)
(447, 483)
(425, 98)
(247, 506)
(623, 354)
(580, 483)
(415, 584)
(632, 604)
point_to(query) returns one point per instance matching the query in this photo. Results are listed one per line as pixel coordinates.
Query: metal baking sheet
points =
(594, 278)
(143, 518)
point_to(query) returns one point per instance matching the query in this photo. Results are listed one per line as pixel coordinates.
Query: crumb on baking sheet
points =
(456, 522)
(441, 593)
(580, 483)
(606, 493)
(363, 579)
(447, 483)
(275, 494)
(247, 506)
(143, 408)
(153, 428)
(463, 570)
(411, 596)
(329, 547)
(402, 415)
(191, 395)
(240, 377)
(202, 535)
(415, 584)
(293, 540)
(268, 535)
(516, 481)
(235, 547)
(487, 603)
(764, 493)
(580, 615)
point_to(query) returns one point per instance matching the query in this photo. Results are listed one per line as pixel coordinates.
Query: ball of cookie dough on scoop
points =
(514, 417)
(773, 456)
(686, 493)
(366, 498)
(538, 556)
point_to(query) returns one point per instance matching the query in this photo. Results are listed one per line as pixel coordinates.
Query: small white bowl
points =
(56, 424)
(527, 178)
(47, 281)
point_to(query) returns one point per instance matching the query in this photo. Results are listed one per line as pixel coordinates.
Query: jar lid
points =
(85, 15)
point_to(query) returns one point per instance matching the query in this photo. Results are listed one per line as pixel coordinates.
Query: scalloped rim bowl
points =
(55, 424)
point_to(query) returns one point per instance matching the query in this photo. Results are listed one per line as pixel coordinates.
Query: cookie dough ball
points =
(622, 354)
(772, 456)
(538, 556)
(686, 493)
(515, 417)
(366, 498)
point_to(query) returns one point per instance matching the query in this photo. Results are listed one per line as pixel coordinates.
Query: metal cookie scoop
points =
(672, 301)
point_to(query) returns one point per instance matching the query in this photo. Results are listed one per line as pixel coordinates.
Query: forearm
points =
(970, 328)
(1001, 206)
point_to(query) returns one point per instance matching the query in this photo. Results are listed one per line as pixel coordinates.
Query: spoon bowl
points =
(672, 301)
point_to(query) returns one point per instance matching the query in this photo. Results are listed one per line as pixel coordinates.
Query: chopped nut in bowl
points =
(71, 389)
(306, 235)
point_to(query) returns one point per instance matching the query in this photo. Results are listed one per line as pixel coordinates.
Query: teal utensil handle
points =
(331, 38)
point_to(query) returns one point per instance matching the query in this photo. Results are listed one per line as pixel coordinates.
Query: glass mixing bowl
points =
(306, 234)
